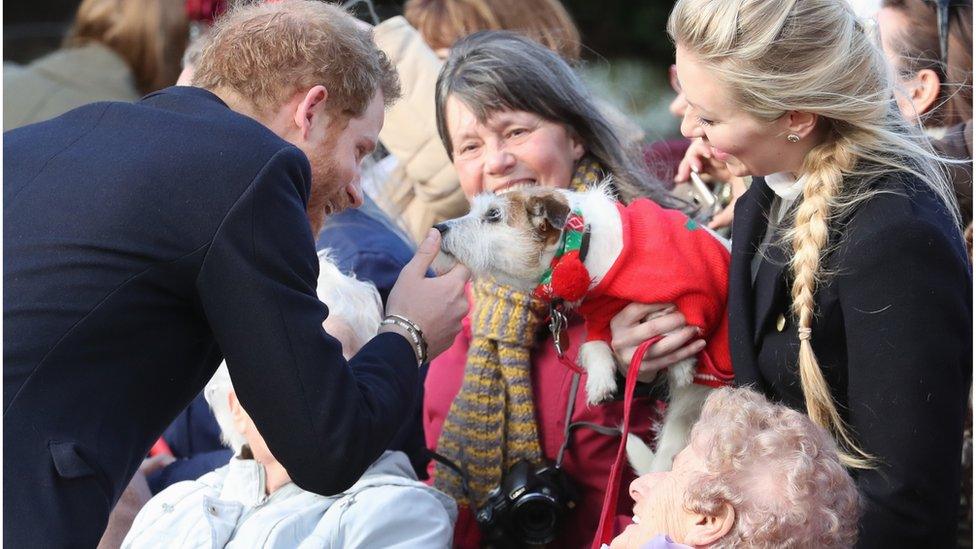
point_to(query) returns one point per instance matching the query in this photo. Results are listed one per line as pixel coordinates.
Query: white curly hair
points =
(779, 471)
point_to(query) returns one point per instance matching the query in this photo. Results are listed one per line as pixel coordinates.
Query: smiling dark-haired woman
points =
(512, 113)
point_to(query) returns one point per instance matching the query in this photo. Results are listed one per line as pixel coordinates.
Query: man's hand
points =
(639, 322)
(436, 305)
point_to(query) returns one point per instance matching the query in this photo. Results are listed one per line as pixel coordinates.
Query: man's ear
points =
(707, 529)
(309, 109)
(801, 123)
(551, 207)
(925, 90)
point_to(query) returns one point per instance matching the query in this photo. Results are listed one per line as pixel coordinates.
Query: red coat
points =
(591, 454)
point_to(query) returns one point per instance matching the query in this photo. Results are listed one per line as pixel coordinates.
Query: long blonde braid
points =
(825, 166)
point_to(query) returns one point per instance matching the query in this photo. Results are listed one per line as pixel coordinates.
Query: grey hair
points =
(354, 301)
(492, 71)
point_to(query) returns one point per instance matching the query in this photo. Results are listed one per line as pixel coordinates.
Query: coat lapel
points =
(769, 285)
(748, 228)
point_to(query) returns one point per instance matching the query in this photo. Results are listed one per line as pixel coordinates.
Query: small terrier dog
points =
(587, 251)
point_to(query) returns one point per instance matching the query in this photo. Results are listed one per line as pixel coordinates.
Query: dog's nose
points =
(441, 228)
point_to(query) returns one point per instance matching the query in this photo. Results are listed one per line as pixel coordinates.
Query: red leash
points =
(604, 533)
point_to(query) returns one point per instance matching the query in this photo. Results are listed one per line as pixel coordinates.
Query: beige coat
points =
(63, 80)
(424, 188)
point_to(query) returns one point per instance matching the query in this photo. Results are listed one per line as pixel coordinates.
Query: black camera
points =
(528, 507)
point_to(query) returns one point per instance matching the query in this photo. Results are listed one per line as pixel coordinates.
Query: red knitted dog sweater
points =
(668, 258)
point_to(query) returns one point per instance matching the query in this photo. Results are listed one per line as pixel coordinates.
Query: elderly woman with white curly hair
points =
(754, 474)
(252, 502)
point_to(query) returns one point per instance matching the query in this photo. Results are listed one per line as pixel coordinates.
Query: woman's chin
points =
(627, 539)
(736, 168)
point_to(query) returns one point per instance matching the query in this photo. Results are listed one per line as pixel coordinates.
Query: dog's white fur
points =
(512, 255)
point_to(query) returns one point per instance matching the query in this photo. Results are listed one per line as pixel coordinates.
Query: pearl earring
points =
(793, 138)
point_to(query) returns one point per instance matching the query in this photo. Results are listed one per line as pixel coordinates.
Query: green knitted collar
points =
(575, 238)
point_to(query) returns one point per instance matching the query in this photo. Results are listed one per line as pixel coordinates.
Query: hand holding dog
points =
(639, 322)
(436, 305)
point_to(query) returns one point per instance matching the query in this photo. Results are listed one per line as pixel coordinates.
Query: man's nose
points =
(355, 192)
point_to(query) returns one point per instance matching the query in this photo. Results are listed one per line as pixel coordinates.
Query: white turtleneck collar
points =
(785, 185)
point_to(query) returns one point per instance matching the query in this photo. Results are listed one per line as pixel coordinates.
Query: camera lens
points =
(534, 517)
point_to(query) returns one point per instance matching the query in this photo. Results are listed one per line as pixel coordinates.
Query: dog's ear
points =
(550, 207)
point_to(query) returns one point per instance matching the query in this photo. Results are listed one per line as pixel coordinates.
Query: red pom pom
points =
(570, 279)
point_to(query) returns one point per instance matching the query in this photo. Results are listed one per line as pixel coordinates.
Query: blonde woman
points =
(850, 293)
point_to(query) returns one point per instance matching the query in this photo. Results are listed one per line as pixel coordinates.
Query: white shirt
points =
(787, 188)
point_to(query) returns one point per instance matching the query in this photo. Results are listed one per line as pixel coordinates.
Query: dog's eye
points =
(493, 215)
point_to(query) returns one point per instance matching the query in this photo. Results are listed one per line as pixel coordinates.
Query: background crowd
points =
(882, 449)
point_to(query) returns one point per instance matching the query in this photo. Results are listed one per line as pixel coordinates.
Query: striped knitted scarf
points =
(491, 423)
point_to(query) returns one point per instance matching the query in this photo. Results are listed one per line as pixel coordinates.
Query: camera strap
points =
(567, 432)
(604, 533)
(457, 468)
(570, 427)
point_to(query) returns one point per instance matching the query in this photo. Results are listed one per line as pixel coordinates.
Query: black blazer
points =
(893, 334)
(142, 243)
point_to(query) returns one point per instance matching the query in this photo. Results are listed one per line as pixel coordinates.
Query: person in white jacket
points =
(252, 503)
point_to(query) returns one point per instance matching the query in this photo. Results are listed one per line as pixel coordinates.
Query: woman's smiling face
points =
(509, 150)
(748, 145)
(659, 502)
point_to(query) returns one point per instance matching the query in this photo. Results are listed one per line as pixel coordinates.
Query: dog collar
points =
(567, 278)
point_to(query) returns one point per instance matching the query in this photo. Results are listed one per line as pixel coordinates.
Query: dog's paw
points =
(600, 386)
(597, 359)
(682, 374)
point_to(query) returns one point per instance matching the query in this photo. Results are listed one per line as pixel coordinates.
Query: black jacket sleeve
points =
(905, 293)
(325, 420)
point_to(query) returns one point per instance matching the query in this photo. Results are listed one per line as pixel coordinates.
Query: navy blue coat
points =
(365, 242)
(893, 334)
(142, 243)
